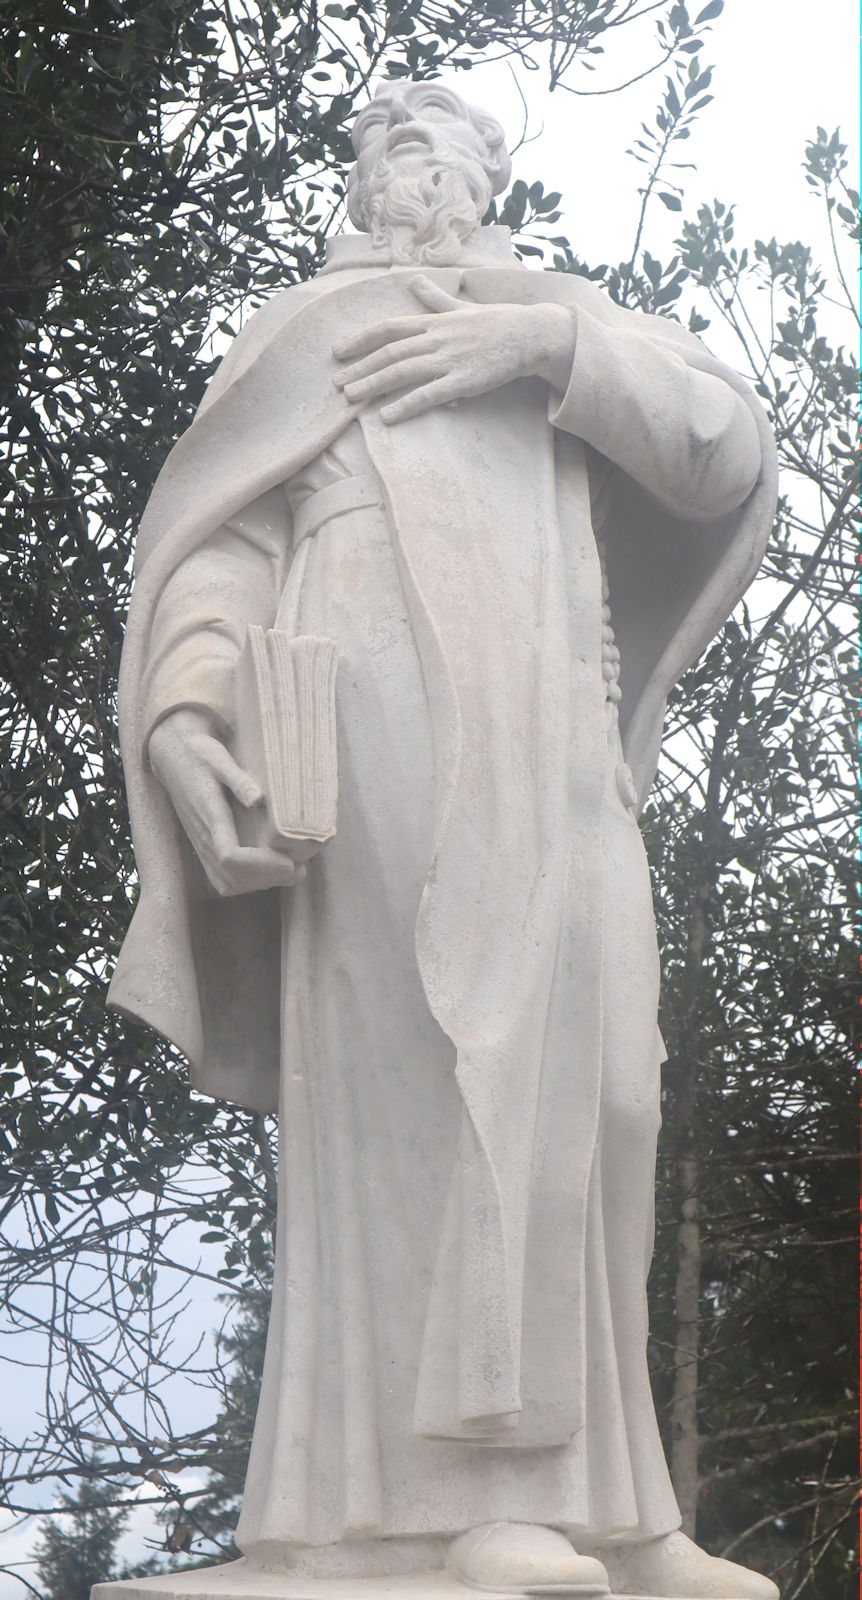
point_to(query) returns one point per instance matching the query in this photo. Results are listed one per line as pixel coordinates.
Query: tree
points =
(750, 833)
(78, 1548)
(169, 166)
(756, 856)
(215, 1515)
(750, 836)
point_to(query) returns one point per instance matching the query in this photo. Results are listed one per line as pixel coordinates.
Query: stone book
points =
(285, 738)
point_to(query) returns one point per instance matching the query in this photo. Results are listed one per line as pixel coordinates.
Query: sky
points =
(781, 68)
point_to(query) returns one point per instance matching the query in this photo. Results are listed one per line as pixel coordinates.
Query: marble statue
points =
(519, 512)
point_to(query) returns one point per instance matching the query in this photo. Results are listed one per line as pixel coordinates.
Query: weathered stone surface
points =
(519, 511)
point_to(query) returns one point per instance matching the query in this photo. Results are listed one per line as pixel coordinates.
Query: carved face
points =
(415, 117)
(427, 165)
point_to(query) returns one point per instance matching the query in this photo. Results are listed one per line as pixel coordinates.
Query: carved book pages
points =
(285, 738)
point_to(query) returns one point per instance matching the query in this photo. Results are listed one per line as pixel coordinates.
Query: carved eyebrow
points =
(368, 116)
(377, 110)
(435, 92)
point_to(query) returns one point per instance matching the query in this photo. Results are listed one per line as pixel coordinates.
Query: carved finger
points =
(420, 370)
(384, 333)
(397, 351)
(197, 834)
(432, 296)
(259, 861)
(232, 775)
(217, 845)
(245, 869)
(438, 393)
(205, 814)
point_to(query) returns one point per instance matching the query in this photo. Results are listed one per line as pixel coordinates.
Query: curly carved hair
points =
(496, 161)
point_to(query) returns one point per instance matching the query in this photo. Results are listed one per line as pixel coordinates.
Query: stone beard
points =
(519, 512)
(422, 207)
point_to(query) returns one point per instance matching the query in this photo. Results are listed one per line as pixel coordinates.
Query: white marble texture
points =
(520, 512)
(240, 1585)
(235, 1582)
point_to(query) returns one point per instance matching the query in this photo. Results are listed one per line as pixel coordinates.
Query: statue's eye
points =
(439, 107)
(369, 124)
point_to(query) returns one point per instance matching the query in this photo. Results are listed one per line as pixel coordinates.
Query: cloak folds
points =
(205, 972)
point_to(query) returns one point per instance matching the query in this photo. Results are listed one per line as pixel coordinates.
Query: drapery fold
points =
(271, 409)
(487, 509)
(507, 751)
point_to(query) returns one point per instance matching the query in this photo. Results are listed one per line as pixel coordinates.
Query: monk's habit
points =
(456, 1011)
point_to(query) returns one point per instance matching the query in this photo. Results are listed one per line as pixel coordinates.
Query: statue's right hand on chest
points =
(200, 774)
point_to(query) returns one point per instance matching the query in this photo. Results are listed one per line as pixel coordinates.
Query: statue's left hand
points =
(457, 348)
(199, 772)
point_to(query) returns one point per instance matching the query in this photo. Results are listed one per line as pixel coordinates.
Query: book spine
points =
(301, 752)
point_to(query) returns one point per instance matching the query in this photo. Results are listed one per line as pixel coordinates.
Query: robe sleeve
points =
(235, 578)
(686, 436)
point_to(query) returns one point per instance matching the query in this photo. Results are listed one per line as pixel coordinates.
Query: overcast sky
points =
(781, 67)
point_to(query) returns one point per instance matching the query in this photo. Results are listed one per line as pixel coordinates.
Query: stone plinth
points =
(239, 1581)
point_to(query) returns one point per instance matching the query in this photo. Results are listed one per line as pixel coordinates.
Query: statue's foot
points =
(521, 1558)
(677, 1569)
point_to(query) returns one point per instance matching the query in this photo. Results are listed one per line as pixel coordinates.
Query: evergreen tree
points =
(168, 166)
(77, 1546)
(215, 1515)
(200, 1526)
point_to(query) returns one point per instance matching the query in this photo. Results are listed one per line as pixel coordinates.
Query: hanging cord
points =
(613, 692)
(610, 649)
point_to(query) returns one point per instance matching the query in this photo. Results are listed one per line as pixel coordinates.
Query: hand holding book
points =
(285, 738)
(200, 775)
(255, 812)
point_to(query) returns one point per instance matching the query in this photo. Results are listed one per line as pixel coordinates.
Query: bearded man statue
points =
(520, 512)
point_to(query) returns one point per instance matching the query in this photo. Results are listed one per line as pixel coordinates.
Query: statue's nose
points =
(399, 111)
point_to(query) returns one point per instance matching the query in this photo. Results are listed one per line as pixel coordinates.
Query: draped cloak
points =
(517, 746)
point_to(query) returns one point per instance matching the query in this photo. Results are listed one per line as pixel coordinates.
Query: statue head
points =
(426, 167)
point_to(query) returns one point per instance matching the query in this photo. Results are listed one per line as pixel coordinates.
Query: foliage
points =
(168, 166)
(243, 1351)
(750, 832)
(77, 1548)
(749, 829)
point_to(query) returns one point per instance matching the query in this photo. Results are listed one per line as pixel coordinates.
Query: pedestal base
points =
(236, 1582)
(239, 1581)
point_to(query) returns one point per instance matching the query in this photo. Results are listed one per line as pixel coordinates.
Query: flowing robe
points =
(469, 980)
